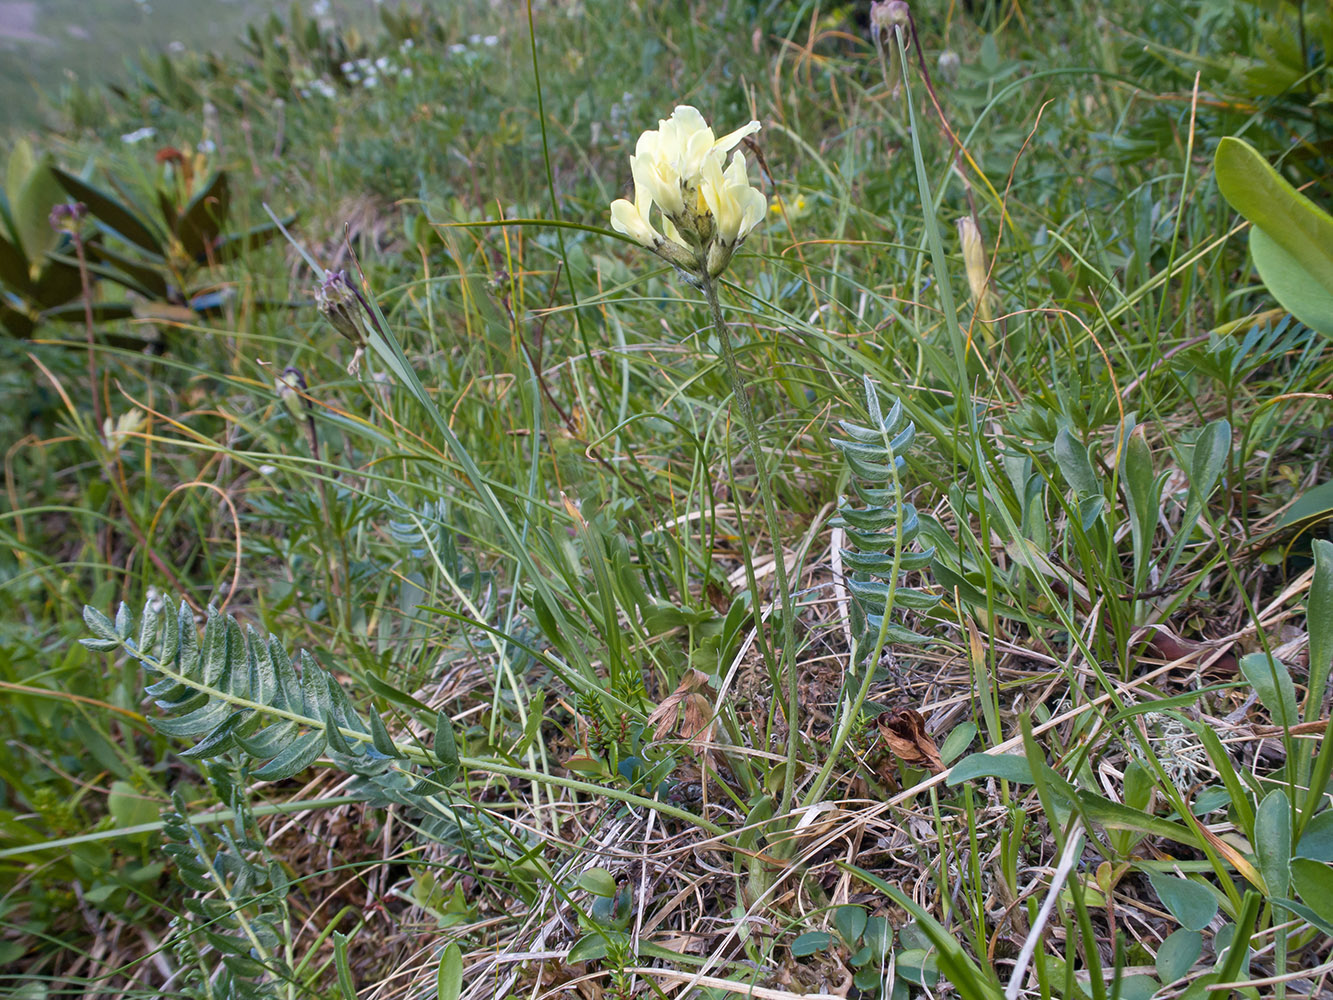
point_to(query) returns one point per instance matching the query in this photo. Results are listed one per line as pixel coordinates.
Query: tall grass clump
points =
(909, 577)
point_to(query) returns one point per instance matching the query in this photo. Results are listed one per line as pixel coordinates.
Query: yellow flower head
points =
(706, 210)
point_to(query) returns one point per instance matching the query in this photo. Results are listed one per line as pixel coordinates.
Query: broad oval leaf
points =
(810, 942)
(958, 740)
(1292, 285)
(598, 881)
(1313, 882)
(1211, 450)
(130, 807)
(1272, 841)
(917, 965)
(589, 948)
(850, 922)
(1072, 458)
(878, 936)
(1178, 953)
(1272, 682)
(1316, 842)
(1009, 766)
(1189, 902)
(449, 975)
(1292, 238)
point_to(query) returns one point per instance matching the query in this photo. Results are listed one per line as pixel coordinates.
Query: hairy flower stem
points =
(740, 390)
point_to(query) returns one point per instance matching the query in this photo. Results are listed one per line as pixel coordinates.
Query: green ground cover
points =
(52, 49)
(411, 585)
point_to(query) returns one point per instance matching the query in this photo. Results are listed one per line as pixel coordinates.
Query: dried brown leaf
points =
(905, 733)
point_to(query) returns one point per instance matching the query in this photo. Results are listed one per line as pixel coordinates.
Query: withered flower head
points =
(342, 306)
(691, 704)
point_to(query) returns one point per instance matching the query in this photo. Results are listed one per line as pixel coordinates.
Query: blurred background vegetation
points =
(50, 48)
(1126, 468)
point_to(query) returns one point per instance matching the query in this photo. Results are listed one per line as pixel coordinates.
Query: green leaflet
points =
(1292, 238)
(882, 530)
(238, 691)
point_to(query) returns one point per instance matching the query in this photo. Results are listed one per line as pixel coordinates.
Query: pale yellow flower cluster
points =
(707, 206)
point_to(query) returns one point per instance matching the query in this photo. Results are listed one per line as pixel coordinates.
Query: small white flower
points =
(458, 48)
(138, 135)
(382, 64)
(490, 41)
(207, 146)
(474, 39)
(371, 82)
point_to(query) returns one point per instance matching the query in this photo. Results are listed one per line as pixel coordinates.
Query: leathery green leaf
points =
(1292, 238)
(449, 975)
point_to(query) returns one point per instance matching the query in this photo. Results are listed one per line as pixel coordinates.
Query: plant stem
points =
(740, 390)
(87, 287)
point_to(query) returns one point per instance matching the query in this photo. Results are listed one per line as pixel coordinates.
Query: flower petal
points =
(732, 138)
(625, 218)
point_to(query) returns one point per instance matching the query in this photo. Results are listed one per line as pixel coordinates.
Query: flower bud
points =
(887, 15)
(342, 306)
(127, 425)
(974, 261)
(66, 218)
(948, 66)
(289, 386)
(719, 256)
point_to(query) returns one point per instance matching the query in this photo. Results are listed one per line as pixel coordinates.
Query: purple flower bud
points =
(66, 217)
